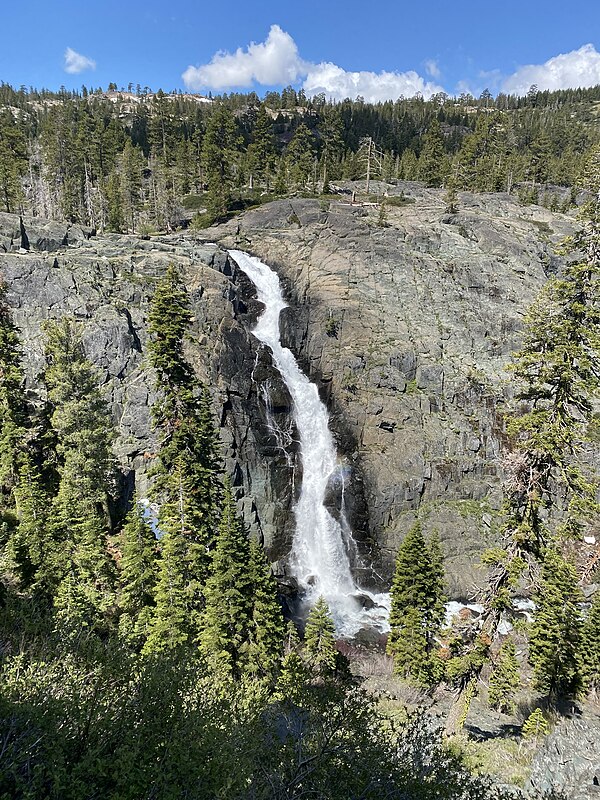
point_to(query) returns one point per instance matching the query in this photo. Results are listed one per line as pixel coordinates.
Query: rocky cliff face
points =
(407, 329)
(568, 762)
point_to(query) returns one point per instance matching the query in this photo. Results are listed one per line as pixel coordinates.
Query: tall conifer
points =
(138, 575)
(227, 617)
(82, 423)
(590, 646)
(267, 627)
(505, 679)
(417, 610)
(13, 406)
(555, 639)
(170, 626)
(433, 161)
(30, 544)
(319, 640)
(261, 151)
(218, 150)
(187, 485)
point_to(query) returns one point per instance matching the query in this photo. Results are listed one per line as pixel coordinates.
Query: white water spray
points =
(322, 546)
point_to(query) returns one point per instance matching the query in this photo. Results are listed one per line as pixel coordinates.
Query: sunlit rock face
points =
(405, 330)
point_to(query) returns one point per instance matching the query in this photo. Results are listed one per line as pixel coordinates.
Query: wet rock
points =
(366, 601)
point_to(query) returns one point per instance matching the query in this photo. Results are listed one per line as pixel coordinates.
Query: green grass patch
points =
(193, 202)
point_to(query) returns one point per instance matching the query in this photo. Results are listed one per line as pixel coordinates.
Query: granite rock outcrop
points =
(407, 329)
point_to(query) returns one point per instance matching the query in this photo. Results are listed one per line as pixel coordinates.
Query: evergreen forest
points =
(132, 160)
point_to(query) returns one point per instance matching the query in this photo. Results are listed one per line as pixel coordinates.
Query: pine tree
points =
(590, 646)
(433, 162)
(187, 485)
(170, 626)
(137, 577)
(217, 158)
(536, 725)
(558, 370)
(83, 428)
(84, 596)
(451, 197)
(556, 631)
(30, 545)
(417, 610)
(332, 135)
(410, 649)
(481, 155)
(294, 675)
(281, 178)
(227, 618)
(505, 679)
(13, 405)
(267, 627)
(558, 374)
(300, 156)
(168, 322)
(437, 612)
(539, 159)
(261, 151)
(409, 166)
(131, 164)
(319, 640)
(80, 415)
(115, 220)
(13, 162)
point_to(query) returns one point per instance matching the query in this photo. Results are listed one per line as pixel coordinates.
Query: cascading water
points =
(322, 545)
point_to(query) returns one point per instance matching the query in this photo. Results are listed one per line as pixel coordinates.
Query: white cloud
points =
(276, 62)
(337, 84)
(75, 62)
(432, 68)
(273, 62)
(579, 68)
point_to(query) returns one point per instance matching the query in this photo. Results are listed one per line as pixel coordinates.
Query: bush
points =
(193, 202)
(536, 725)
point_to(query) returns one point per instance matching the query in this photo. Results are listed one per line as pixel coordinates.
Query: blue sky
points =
(342, 48)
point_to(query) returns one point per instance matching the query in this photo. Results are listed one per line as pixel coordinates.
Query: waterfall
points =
(322, 547)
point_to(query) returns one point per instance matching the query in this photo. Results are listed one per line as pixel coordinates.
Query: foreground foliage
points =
(94, 720)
